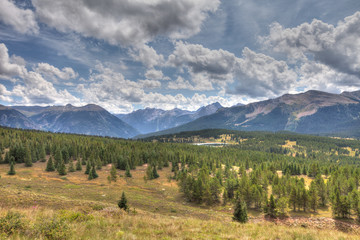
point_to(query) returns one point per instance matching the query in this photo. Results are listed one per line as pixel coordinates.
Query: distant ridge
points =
(312, 112)
(151, 119)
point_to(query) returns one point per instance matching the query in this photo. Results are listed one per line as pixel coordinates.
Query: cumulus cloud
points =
(149, 84)
(4, 94)
(180, 83)
(315, 75)
(260, 75)
(216, 63)
(336, 46)
(147, 56)
(10, 67)
(54, 73)
(31, 86)
(154, 74)
(22, 20)
(126, 22)
(108, 85)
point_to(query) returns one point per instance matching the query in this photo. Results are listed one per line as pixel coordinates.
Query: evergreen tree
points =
(113, 176)
(88, 167)
(93, 172)
(123, 202)
(272, 210)
(71, 167)
(50, 165)
(28, 159)
(91, 176)
(42, 154)
(57, 158)
(12, 169)
(61, 168)
(240, 212)
(127, 171)
(78, 165)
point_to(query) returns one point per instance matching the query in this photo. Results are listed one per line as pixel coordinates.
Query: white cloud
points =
(259, 75)
(22, 20)
(319, 76)
(154, 74)
(10, 67)
(34, 89)
(180, 83)
(336, 46)
(54, 73)
(126, 22)
(147, 56)
(149, 84)
(216, 63)
(4, 94)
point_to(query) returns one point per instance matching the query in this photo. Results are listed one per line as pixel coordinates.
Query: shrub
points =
(54, 229)
(11, 223)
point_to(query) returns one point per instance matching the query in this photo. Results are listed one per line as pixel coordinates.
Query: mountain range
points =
(152, 120)
(311, 112)
(90, 120)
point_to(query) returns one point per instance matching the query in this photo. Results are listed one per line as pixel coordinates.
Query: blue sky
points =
(125, 55)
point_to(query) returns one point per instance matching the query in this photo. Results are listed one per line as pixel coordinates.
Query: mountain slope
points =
(90, 120)
(151, 120)
(12, 118)
(313, 112)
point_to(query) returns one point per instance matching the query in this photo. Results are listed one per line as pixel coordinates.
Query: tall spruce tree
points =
(127, 171)
(62, 168)
(12, 169)
(28, 159)
(123, 202)
(71, 167)
(113, 176)
(240, 212)
(50, 165)
(78, 165)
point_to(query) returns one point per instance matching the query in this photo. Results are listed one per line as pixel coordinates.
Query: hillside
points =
(312, 112)
(41, 204)
(90, 120)
(11, 118)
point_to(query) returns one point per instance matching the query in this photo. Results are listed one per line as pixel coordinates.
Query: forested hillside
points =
(274, 175)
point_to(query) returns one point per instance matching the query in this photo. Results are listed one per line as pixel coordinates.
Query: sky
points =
(131, 54)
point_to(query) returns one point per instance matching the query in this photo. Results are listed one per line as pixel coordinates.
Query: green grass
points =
(88, 210)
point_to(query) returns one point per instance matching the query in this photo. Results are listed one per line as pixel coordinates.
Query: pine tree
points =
(57, 158)
(113, 176)
(155, 173)
(272, 207)
(127, 171)
(240, 212)
(12, 169)
(123, 202)
(90, 177)
(50, 165)
(88, 167)
(61, 168)
(93, 172)
(28, 160)
(71, 166)
(42, 154)
(78, 165)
